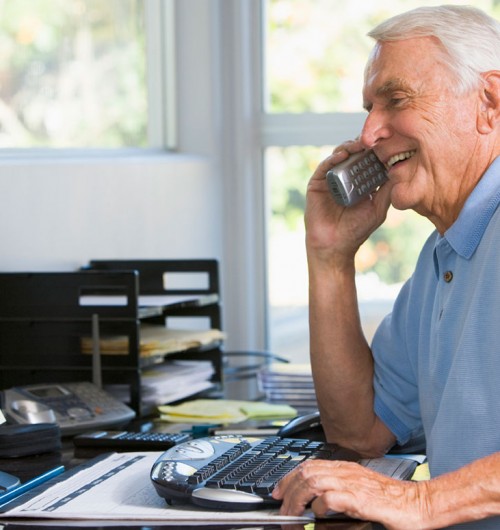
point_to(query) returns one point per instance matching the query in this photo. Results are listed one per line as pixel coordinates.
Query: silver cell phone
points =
(355, 178)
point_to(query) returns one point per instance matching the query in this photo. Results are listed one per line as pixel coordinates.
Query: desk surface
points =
(27, 467)
(318, 525)
(227, 525)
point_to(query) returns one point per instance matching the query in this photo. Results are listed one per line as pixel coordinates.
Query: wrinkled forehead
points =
(382, 69)
(411, 61)
(381, 57)
(410, 52)
(374, 53)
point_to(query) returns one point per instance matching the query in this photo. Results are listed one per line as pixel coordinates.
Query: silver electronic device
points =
(355, 178)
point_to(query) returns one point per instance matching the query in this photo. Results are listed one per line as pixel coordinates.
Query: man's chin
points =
(401, 199)
(398, 203)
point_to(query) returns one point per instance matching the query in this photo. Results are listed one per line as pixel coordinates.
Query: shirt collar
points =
(466, 232)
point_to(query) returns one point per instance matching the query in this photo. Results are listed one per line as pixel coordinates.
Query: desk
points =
(25, 468)
(318, 525)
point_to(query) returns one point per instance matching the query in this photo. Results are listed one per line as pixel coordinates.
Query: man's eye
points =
(397, 101)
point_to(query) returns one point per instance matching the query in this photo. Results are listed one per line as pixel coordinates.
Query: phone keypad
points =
(367, 174)
(355, 178)
(101, 403)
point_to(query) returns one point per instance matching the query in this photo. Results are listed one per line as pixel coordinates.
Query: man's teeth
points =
(399, 157)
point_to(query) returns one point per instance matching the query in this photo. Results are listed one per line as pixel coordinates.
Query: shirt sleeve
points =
(395, 371)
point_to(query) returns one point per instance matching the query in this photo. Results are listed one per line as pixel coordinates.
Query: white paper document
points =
(119, 488)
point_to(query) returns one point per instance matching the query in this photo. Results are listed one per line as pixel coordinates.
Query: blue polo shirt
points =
(437, 356)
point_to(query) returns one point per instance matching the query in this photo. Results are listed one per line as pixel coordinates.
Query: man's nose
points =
(375, 128)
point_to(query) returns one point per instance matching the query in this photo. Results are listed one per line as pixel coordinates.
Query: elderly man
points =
(432, 93)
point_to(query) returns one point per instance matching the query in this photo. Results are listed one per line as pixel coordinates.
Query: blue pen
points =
(30, 484)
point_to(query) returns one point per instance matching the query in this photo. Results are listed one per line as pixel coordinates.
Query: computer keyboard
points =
(239, 473)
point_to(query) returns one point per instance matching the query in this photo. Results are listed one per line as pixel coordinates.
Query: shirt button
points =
(448, 276)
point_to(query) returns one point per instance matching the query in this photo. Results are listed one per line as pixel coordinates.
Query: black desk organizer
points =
(43, 318)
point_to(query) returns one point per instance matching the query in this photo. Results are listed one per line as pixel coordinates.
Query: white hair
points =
(470, 38)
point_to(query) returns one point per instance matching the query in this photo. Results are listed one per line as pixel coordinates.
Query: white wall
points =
(58, 214)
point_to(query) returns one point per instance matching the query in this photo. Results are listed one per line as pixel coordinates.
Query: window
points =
(74, 73)
(314, 56)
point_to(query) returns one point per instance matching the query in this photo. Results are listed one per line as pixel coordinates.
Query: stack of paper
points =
(289, 383)
(169, 382)
(156, 340)
(176, 380)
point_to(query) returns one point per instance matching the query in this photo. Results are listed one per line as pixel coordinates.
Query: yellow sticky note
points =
(223, 411)
(258, 409)
(422, 472)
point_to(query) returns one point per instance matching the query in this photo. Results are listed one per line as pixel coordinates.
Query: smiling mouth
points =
(399, 158)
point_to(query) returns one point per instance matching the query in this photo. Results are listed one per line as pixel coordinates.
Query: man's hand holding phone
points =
(356, 178)
(331, 227)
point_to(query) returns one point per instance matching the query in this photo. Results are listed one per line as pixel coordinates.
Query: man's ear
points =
(489, 112)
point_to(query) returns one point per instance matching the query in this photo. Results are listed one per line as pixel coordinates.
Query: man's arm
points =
(471, 493)
(341, 359)
(342, 364)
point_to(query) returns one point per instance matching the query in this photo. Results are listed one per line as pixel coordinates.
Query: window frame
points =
(159, 17)
(250, 131)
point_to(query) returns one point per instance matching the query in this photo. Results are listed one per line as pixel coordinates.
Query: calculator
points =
(125, 441)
